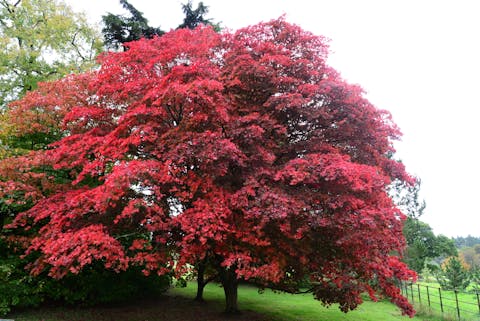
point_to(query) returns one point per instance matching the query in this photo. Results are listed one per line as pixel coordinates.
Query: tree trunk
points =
(200, 282)
(230, 287)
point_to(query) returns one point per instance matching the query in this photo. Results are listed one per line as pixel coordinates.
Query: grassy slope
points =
(178, 305)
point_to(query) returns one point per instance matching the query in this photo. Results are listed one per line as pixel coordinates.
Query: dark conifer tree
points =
(119, 29)
(196, 17)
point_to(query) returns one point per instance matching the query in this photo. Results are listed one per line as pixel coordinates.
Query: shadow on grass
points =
(166, 308)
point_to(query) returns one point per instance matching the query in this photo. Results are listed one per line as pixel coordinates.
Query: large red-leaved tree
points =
(244, 152)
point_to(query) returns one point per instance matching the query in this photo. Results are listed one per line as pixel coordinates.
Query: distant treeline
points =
(466, 241)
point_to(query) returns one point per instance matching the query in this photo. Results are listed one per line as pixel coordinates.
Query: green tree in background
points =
(119, 29)
(475, 277)
(41, 40)
(423, 245)
(196, 17)
(453, 275)
(466, 241)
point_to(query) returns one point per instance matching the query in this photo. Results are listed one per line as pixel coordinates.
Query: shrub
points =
(17, 287)
(96, 285)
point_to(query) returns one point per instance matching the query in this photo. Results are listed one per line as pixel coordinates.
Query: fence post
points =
(428, 297)
(411, 289)
(440, 295)
(419, 296)
(478, 300)
(456, 300)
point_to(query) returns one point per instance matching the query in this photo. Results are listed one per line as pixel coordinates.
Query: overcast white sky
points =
(418, 59)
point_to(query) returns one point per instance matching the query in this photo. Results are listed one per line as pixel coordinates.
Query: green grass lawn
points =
(299, 307)
(178, 305)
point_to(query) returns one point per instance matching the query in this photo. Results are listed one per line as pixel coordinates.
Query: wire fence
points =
(462, 305)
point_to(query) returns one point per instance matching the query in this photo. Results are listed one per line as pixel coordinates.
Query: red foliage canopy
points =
(244, 148)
